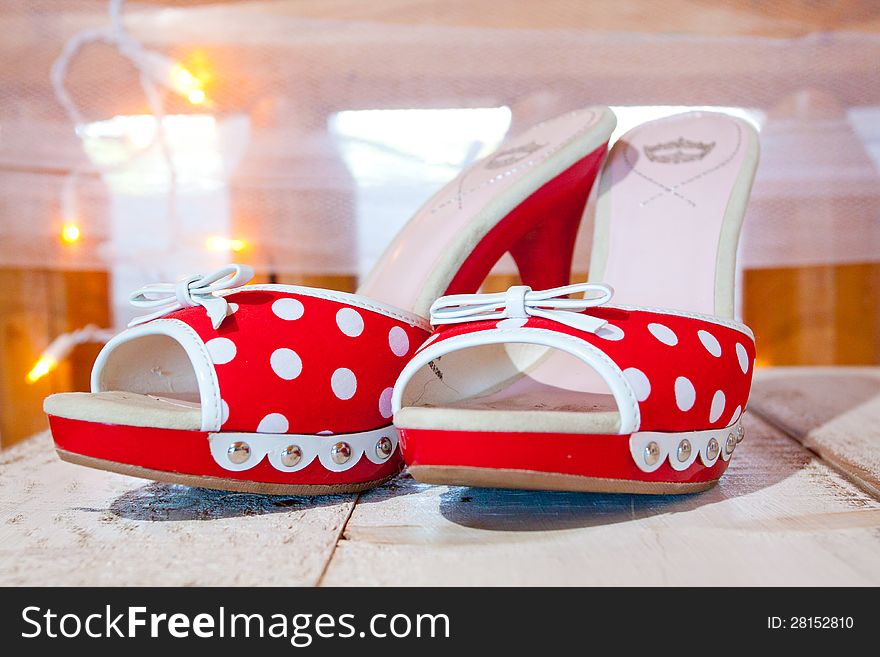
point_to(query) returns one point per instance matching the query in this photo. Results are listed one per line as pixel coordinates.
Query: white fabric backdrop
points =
(289, 161)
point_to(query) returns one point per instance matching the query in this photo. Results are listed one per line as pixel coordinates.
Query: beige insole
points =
(527, 405)
(126, 408)
(527, 394)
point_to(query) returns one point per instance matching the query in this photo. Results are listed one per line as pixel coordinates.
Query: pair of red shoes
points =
(292, 390)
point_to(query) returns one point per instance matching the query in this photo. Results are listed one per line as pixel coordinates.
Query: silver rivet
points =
(340, 453)
(652, 453)
(730, 445)
(291, 455)
(712, 449)
(740, 433)
(238, 452)
(384, 448)
(684, 450)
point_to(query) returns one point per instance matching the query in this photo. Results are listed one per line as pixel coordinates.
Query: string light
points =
(196, 97)
(154, 67)
(70, 233)
(220, 243)
(182, 81)
(175, 76)
(61, 347)
(196, 62)
(42, 367)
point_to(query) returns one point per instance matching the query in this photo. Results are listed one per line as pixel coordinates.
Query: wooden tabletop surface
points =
(799, 505)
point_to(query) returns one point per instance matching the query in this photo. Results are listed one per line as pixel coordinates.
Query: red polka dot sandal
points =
(285, 389)
(538, 390)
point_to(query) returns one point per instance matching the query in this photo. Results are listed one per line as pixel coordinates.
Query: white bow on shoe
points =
(521, 302)
(195, 290)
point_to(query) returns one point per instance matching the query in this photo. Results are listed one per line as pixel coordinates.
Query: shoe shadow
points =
(501, 510)
(159, 502)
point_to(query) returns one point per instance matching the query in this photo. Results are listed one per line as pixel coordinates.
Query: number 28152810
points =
(810, 623)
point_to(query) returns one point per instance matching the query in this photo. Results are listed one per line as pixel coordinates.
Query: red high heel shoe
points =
(286, 389)
(538, 390)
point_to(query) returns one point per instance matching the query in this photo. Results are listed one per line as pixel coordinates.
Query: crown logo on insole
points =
(511, 156)
(678, 151)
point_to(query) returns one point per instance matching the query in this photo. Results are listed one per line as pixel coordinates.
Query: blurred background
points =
(142, 141)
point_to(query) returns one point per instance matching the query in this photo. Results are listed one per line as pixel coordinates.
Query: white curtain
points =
(286, 155)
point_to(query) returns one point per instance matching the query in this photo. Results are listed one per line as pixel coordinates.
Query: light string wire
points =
(147, 63)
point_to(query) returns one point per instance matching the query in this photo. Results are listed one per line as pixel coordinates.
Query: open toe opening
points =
(153, 365)
(527, 386)
(158, 375)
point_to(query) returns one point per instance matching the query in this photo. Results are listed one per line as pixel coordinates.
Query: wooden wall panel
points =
(821, 315)
(37, 306)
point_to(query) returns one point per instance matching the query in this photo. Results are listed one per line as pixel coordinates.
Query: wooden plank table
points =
(798, 506)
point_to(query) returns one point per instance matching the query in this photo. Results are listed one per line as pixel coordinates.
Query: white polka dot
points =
(512, 323)
(685, 395)
(710, 342)
(221, 350)
(224, 412)
(273, 423)
(638, 382)
(325, 432)
(717, 408)
(742, 357)
(288, 308)
(735, 415)
(344, 383)
(398, 340)
(610, 332)
(350, 322)
(286, 363)
(233, 308)
(385, 402)
(664, 334)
